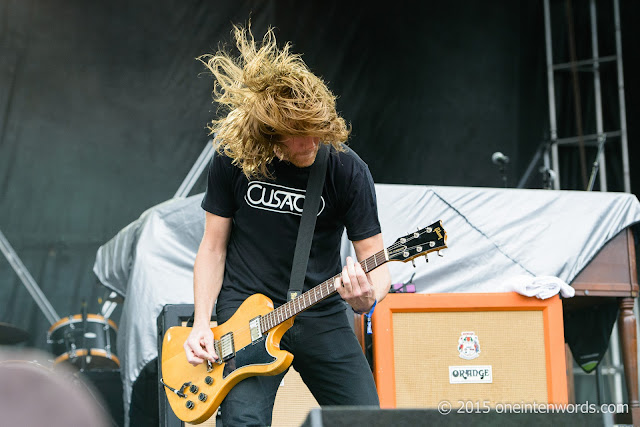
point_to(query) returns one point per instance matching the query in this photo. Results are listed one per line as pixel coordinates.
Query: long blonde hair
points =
(268, 93)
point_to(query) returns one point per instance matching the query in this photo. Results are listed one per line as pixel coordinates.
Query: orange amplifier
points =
(482, 350)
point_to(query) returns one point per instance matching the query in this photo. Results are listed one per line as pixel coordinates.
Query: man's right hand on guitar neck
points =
(199, 345)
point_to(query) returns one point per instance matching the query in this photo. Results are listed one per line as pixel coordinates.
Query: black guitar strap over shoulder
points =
(308, 222)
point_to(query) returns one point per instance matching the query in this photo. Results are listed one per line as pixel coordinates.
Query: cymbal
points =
(10, 334)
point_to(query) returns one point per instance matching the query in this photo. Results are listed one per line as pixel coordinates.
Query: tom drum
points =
(89, 344)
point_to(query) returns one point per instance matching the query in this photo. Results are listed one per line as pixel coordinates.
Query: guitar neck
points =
(316, 294)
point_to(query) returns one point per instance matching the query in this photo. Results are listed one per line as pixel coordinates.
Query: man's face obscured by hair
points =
(301, 151)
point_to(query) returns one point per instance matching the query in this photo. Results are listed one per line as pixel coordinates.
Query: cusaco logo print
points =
(277, 198)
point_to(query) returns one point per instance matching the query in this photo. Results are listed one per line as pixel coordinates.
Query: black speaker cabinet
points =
(341, 416)
(174, 315)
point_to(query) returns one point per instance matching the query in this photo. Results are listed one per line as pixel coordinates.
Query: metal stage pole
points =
(27, 280)
(196, 170)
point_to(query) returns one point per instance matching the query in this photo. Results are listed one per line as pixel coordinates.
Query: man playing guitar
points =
(279, 114)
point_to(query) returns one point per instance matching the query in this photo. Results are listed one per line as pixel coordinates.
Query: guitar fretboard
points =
(314, 295)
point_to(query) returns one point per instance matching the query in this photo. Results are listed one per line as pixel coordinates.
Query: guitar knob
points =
(190, 404)
(193, 389)
(208, 380)
(202, 397)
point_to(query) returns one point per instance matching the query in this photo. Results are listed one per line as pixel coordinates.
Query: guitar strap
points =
(308, 222)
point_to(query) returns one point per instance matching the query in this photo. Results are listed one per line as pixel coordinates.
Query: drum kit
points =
(83, 346)
(85, 341)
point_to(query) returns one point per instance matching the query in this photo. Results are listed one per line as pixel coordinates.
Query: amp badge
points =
(468, 345)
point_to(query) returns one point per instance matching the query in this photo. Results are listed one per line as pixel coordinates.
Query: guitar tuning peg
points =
(413, 261)
(439, 254)
(426, 259)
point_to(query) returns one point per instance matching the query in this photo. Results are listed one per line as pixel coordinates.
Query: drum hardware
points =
(87, 358)
(111, 297)
(72, 354)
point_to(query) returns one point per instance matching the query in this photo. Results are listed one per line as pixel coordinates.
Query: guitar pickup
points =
(254, 327)
(227, 347)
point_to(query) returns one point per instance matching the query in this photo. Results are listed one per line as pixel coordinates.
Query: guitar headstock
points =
(429, 239)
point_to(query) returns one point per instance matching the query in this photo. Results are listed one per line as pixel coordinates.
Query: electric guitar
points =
(248, 344)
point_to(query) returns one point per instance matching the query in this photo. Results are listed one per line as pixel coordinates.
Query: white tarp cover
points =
(493, 234)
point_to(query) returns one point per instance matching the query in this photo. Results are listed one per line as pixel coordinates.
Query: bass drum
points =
(92, 343)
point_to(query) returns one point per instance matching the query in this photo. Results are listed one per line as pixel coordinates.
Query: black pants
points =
(329, 359)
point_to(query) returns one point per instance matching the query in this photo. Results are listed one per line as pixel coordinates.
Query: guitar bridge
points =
(254, 327)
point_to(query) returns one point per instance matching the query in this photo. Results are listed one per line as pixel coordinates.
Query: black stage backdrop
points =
(103, 109)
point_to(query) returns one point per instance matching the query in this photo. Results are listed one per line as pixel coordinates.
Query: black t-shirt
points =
(266, 217)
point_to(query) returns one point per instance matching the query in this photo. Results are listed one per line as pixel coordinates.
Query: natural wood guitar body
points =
(261, 357)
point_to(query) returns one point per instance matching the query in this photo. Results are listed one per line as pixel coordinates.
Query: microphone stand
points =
(501, 161)
(503, 173)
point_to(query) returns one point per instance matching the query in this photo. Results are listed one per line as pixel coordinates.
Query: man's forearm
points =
(380, 279)
(208, 272)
